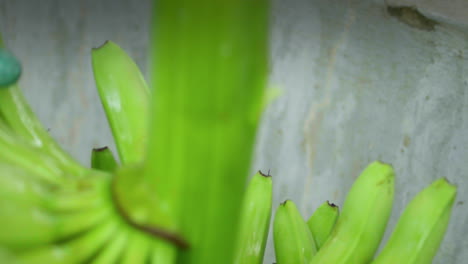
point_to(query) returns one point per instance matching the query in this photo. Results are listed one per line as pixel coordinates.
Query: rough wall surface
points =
(358, 84)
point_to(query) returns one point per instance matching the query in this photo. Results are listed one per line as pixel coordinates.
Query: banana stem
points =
(209, 66)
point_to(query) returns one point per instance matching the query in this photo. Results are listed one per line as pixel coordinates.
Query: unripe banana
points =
(162, 252)
(322, 222)
(362, 223)
(35, 161)
(254, 221)
(20, 186)
(112, 252)
(421, 227)
(293, 241)
(27, 225)
(103, 159)
(137, 250)
(125, 98)
(78, 250)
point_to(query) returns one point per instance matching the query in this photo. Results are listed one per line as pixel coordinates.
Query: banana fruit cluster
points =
(54, 210)
(177, 195)
(353, 236)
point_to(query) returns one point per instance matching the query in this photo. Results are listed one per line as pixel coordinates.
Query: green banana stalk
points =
(209, 71)
(421, 227)
(254, 221)
(322, 222)
(293, 241)
(362, 223)
(103, 159)
(125, 98)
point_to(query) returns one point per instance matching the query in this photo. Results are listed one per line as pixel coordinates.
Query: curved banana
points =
(322, 222)
(293, 241)
(113, 251)
(78, 250)
(364, 217)
(254, 221)
(421, 227)
(125, 98)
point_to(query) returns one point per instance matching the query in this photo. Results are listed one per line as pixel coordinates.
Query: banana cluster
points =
(54, 210)
(353, 236)
(176, 193)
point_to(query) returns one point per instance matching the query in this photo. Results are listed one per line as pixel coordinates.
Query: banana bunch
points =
(176, 193)
(173, 193)
(52, 209)
(353, 236)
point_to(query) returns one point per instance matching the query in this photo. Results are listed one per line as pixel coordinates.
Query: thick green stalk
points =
(209, 66)
(125, 98)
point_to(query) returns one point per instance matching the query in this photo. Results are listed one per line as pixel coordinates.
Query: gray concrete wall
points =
(358, 84)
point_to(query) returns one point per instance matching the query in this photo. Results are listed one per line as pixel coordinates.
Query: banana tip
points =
(102, 45)
(100, 149)
(263, 174)
(332, 204)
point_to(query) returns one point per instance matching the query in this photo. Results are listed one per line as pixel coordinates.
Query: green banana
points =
(293, 241)
(27, 226)
(18, 185)
(112, 252)
(17, 115)
(78, 250)
(322, 222)
(254, 221)
(421, 227)
(137, 250)
(125, 98)
(362, 223)
(34, 160)
(162, 252)
(103, 159)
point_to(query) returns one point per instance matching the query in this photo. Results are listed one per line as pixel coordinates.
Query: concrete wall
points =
(359, 84)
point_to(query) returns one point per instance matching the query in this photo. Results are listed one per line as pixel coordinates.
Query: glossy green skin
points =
(421, 227)
(10, 68)
(125, 98)
(16, 114)
(361, 224)
(293, 240)
(322, 222)
(103, 159)
(254, 221)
